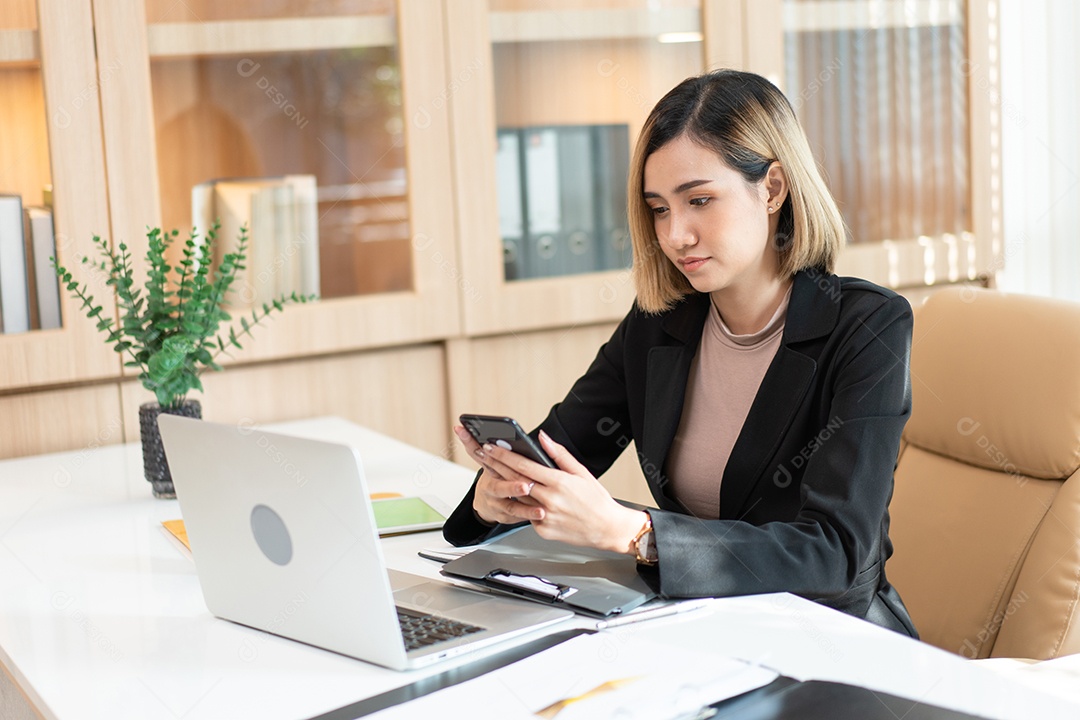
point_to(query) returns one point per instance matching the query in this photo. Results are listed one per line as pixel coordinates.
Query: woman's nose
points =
(679, 232)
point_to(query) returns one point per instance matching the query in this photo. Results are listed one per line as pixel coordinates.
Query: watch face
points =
(646, 548)
(650, 546)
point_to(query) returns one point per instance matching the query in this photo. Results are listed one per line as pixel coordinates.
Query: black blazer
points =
(804, 496)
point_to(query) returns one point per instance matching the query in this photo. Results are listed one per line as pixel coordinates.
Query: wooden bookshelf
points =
(591, 24)
(837, 15)
(613, 78)
(19, 46)
(52, 135)
(234, 37)
(405, 255)
(437, 330)
(199, 11)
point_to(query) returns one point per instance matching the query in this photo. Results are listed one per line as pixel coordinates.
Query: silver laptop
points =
(284, 540)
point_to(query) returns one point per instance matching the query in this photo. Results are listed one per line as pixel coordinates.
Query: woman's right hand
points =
(496, 499)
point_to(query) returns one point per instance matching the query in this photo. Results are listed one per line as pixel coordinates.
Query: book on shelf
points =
(14, 292)
(31, 277)
(281, 215)
(43, 283)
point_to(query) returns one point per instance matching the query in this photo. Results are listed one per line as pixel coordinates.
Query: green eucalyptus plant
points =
(171, 329)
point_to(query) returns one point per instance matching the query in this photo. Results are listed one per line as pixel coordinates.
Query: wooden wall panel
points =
(400, 392)
(722, 26)
(59, 420)
(522, 375)
(763, 41)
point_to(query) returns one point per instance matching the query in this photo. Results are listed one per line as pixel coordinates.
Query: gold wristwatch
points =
(644, 544)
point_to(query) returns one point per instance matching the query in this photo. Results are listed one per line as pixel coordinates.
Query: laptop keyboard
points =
(420, 630)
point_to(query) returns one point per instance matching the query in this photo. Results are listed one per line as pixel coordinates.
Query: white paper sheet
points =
(605, 675)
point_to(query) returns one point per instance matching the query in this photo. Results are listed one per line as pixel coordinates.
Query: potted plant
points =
(171, 329)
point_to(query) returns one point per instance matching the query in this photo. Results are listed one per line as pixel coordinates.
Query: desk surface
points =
(101, 615)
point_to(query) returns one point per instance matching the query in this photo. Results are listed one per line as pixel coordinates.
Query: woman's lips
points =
(690, 264)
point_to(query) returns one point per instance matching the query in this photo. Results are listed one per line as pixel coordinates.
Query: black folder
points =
(591, 582)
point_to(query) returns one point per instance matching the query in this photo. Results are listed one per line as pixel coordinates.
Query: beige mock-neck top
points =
(724, 379)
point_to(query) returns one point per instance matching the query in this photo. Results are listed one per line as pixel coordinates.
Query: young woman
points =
(765, 395)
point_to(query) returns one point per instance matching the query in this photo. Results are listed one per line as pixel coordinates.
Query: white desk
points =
(101, 615)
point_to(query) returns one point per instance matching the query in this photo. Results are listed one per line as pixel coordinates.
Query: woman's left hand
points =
(577, 508)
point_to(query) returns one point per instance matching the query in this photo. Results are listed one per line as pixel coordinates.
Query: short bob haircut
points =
(747, 121)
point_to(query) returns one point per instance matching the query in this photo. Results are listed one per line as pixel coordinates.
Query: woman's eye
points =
(700, 202)
(658, 210)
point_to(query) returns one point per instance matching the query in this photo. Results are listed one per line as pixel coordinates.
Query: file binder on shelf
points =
(508, 162)
(562, 199)
(590, 582)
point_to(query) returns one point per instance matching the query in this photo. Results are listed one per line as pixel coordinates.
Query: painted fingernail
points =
(488, 447)
(528, 488)
(480, 454)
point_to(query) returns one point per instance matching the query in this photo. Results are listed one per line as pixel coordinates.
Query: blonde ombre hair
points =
(747, 121)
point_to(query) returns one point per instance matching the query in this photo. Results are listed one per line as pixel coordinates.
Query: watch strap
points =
(643, 543)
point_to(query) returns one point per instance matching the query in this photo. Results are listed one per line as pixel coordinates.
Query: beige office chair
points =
(986, 510)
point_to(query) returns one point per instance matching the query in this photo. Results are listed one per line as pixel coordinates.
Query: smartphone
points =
(506, 433)
(396, 516)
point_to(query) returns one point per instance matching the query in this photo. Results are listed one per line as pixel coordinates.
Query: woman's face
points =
(710, 223)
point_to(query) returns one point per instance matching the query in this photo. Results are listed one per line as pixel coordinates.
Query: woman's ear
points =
(776, 187)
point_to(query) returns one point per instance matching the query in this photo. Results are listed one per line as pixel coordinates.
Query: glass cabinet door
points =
(289, 119)
(52, 193)
(548, 99)
(292, 126)
(884, 91)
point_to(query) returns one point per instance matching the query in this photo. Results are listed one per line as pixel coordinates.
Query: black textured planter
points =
(155, 467)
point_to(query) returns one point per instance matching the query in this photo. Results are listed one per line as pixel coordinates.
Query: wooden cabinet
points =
(222, 90)
(448, 140)
(531, 67)
(900, 102)
(51, 136)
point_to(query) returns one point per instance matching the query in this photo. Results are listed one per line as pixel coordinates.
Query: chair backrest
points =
(986, 508)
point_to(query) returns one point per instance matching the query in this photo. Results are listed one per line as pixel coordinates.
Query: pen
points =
(667, 610)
